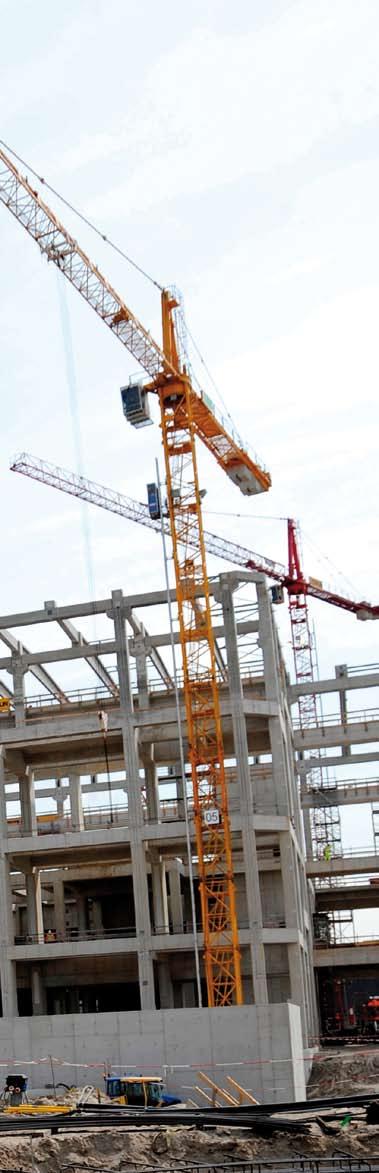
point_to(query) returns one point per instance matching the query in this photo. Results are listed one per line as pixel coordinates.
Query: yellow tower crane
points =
(186, 413)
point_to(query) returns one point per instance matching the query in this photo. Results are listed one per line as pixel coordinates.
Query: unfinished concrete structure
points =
(95, 908)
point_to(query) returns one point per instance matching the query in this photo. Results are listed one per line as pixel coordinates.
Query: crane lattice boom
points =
(57, 245)
(137, 511)
(114, 502)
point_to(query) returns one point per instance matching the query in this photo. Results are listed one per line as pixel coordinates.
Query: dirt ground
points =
(345, 1071)
(349, 1070)
(113, 1150)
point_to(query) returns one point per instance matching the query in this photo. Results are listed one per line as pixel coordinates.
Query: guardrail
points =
(87, 696)
(335, 787)
(354, 717)
(347, 853)
(51, 937)
(362, 669)
(171, 811)
(348, 881)
(352, 939)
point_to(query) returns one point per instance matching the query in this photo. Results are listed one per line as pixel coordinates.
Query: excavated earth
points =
(174, 1148)
(345, 1071)
(348, 1071)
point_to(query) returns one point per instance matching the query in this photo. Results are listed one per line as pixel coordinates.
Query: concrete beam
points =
(355, 733)
(348, 794)
(139, 629)
(346, 896)
(94, 661)
(341, 683)
(43, 677)
(94, 607)
(306, 764)
(337, 956)
(343, 865)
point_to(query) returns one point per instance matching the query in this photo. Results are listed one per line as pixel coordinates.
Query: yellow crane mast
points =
(185, 415)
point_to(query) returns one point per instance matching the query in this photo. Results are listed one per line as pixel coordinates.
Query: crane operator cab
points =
(139, 1091)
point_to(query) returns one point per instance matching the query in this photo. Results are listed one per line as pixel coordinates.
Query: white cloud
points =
(220, 107)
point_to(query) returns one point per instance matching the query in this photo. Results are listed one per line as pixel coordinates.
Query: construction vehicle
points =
(345, 1018)
(14, 1093)
(186, 413)
(139, 1091)
(369, 1016)
(5, 704)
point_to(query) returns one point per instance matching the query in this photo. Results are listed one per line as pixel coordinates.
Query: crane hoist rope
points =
(185, 414)
(116, 247)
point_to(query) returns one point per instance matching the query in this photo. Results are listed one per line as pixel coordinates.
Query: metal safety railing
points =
(358, 939)
(92, 696)
(355, 716)
(356, 880)
(362, 669)
(347, 853)
(127, 932)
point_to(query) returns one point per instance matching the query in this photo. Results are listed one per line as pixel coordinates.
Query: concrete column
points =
(141, 666)
(294, 919)
(7, 967)
(179, 789)
(18, 689)
(246, 795)
(59, 910)
(28, 803)
(135, 818)
(283, 784)
(341, 670)
(34, 904)
(38, 991)
(60, 795)
(76, 803)
(3, 801)
(307, 827)
(151, 783)
(159, 887)
(166, 992)
(97, 917)
(292, 910)
(176, 902)
(81, 912)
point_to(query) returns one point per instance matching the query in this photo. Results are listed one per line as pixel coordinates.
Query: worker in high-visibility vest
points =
(327, 852)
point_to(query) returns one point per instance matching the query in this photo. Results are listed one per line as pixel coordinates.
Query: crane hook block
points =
(135, 405)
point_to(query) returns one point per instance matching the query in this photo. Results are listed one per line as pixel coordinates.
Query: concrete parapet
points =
(261, 1046)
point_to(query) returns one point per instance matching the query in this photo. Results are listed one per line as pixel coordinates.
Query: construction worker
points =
(327, 852)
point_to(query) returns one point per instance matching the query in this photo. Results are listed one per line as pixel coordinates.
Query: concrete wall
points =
(261, 1046)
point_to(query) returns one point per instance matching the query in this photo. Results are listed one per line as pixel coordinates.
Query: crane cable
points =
(116, 248)
(72, 386)
(81, 216)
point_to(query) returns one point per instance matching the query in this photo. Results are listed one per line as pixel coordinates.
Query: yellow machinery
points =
(186, 413)
(5, 704)
(139, 1091)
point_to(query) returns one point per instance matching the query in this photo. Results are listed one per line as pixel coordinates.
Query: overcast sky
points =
(231, 149)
